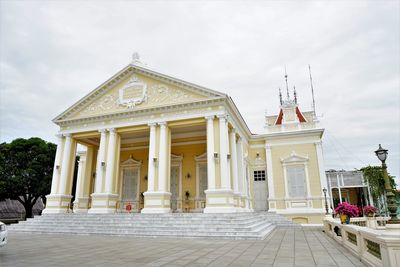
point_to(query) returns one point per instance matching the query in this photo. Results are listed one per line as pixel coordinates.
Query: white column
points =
(110, 165)
(270, 179)
(163, 164)
(57, 165)
(81, 175)
(223, 143)
(210, 153)
(101, 161)
(152, 155)
(320, 158)
(330, 191)
(240, 165)
(338, 186)
(371, 200)
(65, 164)
(234, 172)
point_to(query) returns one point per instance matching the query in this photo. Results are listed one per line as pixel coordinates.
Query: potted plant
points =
(370, 210)
(346, 211)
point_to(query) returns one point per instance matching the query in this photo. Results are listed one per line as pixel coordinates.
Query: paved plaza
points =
(284, 247)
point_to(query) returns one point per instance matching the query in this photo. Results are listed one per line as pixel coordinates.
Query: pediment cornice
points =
(141, 112)
(117, 78)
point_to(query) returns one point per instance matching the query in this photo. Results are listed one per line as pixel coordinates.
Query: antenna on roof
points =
(280, 96)
(312, 90)
(287, 87)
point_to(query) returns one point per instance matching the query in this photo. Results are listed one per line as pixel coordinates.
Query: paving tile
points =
(285, 247)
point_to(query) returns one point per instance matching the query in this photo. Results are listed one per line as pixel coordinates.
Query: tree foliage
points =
(374, 176)
(26, 168)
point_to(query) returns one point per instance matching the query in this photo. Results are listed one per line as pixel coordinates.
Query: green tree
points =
(26, 168)
(374, 176)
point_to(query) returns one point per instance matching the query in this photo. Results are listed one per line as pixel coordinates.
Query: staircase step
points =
(178, 225)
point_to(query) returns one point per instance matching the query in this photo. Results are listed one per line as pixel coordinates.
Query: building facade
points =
(156, 144)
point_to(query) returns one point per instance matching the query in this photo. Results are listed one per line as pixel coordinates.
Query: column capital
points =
(112, 130)
(222, 116)
(210, 117)
(102, 130)
(268, 146)
(59, 135)
(67, 135)
(152, 124)
(163, 123)
(318, 143)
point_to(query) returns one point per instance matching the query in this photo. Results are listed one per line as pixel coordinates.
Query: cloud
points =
(53, 53)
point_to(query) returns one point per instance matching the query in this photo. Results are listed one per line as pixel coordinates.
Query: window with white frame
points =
(296, 179)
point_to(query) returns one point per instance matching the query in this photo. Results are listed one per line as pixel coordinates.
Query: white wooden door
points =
(129, 193)
(174, 186)
(203, 181)
(260, 191)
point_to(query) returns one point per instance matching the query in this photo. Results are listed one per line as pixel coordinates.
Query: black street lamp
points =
(390, 197)
(326, 202)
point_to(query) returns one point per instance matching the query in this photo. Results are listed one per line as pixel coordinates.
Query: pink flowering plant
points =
(347, 208)
(370, 209)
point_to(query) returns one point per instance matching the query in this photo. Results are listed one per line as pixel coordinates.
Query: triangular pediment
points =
(294, 158)
(131, 163)
(136, 88)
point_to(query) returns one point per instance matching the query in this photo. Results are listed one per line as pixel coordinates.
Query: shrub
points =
(347, 208)
(369, 209)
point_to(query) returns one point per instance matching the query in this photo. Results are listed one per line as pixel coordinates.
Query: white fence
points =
(374, 247)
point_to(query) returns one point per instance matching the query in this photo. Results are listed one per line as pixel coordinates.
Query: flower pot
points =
(344, 218)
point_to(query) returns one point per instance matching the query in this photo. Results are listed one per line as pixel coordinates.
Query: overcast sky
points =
(52, 53)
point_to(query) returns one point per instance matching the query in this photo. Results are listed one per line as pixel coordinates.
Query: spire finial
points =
(287, 87)
(280, 96)
(312, 90)
(295, 94)
(136, 59)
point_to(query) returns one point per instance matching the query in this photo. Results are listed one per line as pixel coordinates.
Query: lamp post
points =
(390, 197)
(326, 202)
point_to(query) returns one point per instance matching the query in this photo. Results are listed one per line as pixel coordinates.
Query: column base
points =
(103, 203)
(220, 201)
(157, 202)
(237, 200)
(81, 205)
(57, 204)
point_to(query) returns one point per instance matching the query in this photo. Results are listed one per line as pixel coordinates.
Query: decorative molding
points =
(133, 93)
(131, 163)
(176, 158)
(294, 158)
(201, 157)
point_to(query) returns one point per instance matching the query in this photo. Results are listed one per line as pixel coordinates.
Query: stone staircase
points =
(176, 225)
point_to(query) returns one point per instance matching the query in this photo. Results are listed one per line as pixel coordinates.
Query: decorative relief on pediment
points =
(161, 93)
(106, 103)
(138, 93)
(133, 93)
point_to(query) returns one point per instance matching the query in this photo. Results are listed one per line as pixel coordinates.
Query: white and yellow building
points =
(159, 145)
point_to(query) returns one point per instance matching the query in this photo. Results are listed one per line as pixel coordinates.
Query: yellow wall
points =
(189, 152)
(303, 219)
(309, 150)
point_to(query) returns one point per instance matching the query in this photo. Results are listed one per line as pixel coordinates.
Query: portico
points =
(167, 166)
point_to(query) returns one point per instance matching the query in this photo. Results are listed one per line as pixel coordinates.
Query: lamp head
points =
(381, 153)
